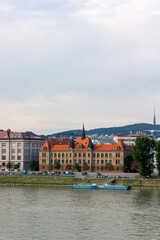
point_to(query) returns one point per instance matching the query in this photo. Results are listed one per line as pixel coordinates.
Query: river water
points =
(61, 213)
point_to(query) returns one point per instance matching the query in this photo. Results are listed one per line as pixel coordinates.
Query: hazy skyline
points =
(65, 62)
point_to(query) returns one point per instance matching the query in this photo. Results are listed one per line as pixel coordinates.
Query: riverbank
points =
(33, 180)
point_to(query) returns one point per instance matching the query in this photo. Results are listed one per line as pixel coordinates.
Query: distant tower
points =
(154, 118)
(83, 133)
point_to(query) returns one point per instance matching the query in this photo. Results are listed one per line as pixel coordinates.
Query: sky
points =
(68, 62)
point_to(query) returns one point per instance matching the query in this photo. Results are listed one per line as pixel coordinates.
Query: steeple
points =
(83, 133)
(154, 118)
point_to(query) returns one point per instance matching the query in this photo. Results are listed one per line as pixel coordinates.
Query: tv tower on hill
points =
(154, 118)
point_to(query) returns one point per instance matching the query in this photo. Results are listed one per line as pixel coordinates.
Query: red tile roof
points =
(84, 142)
(18, 135)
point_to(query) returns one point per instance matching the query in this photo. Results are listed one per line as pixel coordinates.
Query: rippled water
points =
(62, 213)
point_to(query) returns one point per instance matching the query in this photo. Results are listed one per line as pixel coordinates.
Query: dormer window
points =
(44, 148)
(118, 148)
(80, 146)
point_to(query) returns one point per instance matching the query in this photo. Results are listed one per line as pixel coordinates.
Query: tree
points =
(33, 165)
(85, 166)
(158, 156)
(109, 166)
(76, 166)
(128, 163)
(56, 164)
(16, 166)
(69, 167)
(9, 165)
(143, 153)
(102, 167)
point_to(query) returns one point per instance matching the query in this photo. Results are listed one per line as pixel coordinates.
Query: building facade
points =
(19, 148)
(69, 153)
(128, 139)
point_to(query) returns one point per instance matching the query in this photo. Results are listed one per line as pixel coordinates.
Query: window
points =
(110, 161)
(97, 168)
(75, 161)
(13, 157)
(93, 154)
(66, 161)
(88, 161)
(84, 154)
(3, 150)
(3, 144)
(51, 160)
(51, 155)
(62, 154)
(70, 155)
(88, 154)
(13, 150)
(79, 161)
(3, 164)
(55, 155)
(93, 161)
(117, 154)
(102, 155)
(97, 154)
(79, 155)
(19, 158)
(59, 160)
(18, 144)
(118, 161)
(3, 157)
(106, 161)
(66, 154)
(75, 154)
(43, 154)
(43, 167)
(101, 161)
(110, 155)
(106, 154)
(58, 154)
(70, 161)
(83, 160)
(33, 144)
(97, 161)
(43, 161)
(13, 144)
(19, 150)
(62, 161)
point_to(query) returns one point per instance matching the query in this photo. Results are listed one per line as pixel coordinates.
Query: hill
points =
(140, 127)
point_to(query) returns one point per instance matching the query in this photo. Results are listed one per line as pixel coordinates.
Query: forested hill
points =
(112, 130)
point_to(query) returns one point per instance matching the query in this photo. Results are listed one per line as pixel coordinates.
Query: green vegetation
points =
(56, 164)
(33, 165)
(9, 165)
(109, 166)
(143, 154)
(76, 167)
(158, 156)
(69, 167)
(85, 166)
(130, 165)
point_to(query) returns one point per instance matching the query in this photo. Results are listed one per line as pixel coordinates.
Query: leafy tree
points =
(128, 163)
(135, 167)
(69, 167)
(76, 166)
(16, 166)
(9, 165)
(34, 165)
(158, 156)
(109, 166)
(85, 166)
(143, 154)
(102, 167)
(56, 164)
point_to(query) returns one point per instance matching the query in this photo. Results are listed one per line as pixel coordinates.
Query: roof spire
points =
(83, 133)
(154, 118)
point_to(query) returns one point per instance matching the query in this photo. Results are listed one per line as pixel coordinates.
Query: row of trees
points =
(85, 167)
(142, 158)
(33, 165)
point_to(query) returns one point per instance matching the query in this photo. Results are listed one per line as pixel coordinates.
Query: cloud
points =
(80, 58)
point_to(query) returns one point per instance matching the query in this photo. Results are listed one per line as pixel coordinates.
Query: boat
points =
(105, 186)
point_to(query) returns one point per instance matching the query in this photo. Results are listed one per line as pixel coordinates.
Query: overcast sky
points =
(65, 62)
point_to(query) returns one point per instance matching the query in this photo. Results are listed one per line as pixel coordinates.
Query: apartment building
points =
(128, 139)
(19, 147)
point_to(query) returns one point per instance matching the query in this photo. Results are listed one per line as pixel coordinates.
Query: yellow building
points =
(82, 155)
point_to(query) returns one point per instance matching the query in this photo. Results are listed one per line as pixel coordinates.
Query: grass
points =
(67, 181)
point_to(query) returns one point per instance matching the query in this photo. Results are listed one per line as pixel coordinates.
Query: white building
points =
(128, 139)
(19, 147)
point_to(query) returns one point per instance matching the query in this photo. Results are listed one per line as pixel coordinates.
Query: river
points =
(61, 213)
